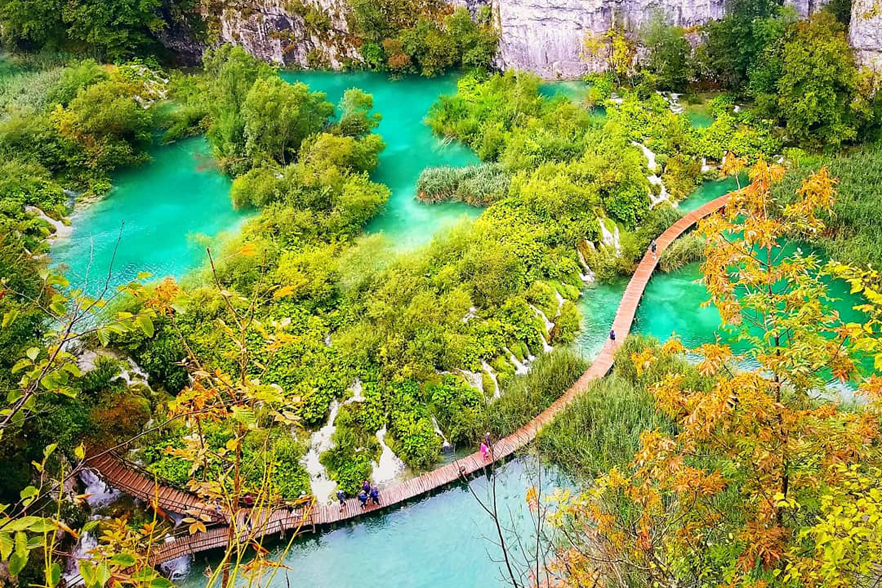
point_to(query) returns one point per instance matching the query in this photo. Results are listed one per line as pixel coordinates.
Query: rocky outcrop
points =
(300, 33)
(865, 33)
(547, 36)
(543, 36)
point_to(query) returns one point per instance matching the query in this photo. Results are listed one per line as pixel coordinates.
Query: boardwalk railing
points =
(281, 520)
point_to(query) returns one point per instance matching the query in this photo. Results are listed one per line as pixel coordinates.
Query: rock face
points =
(543, 36)
(301, 33)
(546, 36)
(865, 33)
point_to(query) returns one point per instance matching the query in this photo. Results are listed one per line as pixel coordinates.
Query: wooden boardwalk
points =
(279, 521)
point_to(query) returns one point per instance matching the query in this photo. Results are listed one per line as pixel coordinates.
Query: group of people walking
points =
(368, 492)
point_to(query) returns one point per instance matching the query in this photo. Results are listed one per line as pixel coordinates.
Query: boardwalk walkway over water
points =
(124, 477)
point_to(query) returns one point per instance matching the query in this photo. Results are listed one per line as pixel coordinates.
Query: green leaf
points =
(21, 364)
(103, 337)
(161, 582)
(33, 353)
(54, 574)
(146, 324)
(80, 452)
(6, 545)
(21, 544)
(28, 494)
(9, 318)
(123, 559)
(17, 564)
(20, 524)
(47, 451)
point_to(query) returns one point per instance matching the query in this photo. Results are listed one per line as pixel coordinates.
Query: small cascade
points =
(662, 195)
(100, 494)
(445, 444)
(321, 483)
(473, 379)
(648, 154)
(327, 340)
(357, 392)
(588, 276)
(673, 100)
(134, 375)
(520, 368)
(82, 552)
(389, 465)
(472, 313)
(704, 166)
(560, 302)
(610, 238)
(736, 109)
(546, 346)
(492, 374)
(61, 230)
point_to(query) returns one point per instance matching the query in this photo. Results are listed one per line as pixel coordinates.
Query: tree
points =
(119, 29)
(723, 498)
(668, 52)
(818, 83)
(278, 116)
(231, 72)
(356, 119)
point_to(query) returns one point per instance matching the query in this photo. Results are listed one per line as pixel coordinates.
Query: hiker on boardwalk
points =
(375, 495)
(485, 451)
(341, 497)
(248, 501)
(363, 498)
(654, 248)
(612, 335)
(366, 487)
(487, 439)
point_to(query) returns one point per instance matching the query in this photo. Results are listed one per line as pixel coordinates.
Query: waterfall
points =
(61, 230)
(135, 374)
(520, 368)
(82, 551)
(445, 444)
(492, 374)
(704, 166)
(389, 465)
(546, 346)
(649, 155)
(473, 379)
(178, 568)
(662, 195)
(610, 238)
(322, 485)
(357, 392)
(588, 276)
(100, 494)
(472, 313)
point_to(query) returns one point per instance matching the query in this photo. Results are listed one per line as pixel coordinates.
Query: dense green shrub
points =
(685, 250)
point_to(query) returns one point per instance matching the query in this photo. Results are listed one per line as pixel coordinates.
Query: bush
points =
(685, 250)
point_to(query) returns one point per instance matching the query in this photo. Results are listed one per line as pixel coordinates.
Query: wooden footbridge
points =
(128, 478)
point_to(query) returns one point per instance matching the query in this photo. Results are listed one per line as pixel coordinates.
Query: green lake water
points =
(410, 147)
(157, 211)
(167, 203)
(440, 541)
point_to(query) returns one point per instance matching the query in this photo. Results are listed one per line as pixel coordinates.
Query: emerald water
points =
(157, 212)
(440, 541)
(410, 147)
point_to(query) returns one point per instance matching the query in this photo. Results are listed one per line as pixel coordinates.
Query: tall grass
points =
(479, 185)
(685, 250)
(526, 396)
(854, 230)
(602, 428)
